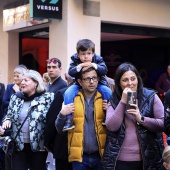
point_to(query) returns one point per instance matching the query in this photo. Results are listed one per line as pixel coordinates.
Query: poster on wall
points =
(46, 9)
(16, 15)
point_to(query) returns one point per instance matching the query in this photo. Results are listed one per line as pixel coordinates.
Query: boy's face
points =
(85, 56)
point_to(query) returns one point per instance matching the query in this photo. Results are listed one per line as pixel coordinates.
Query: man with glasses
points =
(86, 141)
(85, 57)
(54, 71)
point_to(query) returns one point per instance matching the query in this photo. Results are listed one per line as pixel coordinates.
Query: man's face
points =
(53, 70)
(89, 82)
(85, 56)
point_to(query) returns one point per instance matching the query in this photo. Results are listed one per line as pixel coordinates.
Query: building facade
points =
(81, 19)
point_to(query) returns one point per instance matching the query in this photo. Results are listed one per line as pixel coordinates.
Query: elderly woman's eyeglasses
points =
(88, 79)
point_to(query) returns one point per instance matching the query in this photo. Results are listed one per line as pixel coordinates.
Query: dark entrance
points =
(147, 48)
(34, 49)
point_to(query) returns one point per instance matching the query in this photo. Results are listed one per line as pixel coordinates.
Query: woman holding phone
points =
(133, 139)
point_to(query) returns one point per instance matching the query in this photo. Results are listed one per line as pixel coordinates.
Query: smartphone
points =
(131, 99)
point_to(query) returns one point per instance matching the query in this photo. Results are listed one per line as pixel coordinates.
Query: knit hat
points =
(35, 76)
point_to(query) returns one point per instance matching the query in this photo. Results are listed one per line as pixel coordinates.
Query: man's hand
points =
(67, 109)
(105, 104)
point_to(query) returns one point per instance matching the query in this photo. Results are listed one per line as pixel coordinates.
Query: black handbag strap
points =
(145, 103)
(22, 124)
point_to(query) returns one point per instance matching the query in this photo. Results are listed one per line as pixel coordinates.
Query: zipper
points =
(140, 144)
(96, 127)
(119, 150)
(83, 125)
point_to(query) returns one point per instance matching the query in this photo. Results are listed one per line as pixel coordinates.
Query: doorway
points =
(146, 48)
(34, 49)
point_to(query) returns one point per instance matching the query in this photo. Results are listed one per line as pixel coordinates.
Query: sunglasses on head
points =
(53, 60)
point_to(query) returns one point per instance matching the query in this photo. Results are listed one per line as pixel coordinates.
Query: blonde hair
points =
(36, 77)
(166, 154)
(46, 77)
(19, 70)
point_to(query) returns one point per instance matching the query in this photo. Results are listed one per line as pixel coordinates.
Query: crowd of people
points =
(82, 122)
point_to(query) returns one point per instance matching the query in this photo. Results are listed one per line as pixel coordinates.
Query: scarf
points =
(25, 97)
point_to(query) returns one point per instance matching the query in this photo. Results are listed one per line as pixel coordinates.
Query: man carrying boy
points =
(85, 57)
(86, 141)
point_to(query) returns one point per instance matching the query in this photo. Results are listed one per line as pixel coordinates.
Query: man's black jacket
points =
(55, 141)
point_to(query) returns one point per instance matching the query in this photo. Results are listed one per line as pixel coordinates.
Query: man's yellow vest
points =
(76, 135)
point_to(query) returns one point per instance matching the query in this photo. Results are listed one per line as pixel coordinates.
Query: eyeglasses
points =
(88, 79)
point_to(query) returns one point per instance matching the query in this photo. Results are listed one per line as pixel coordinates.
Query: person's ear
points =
(79, 81)
(165, 165)
(65, 76)
(78, 55)
(36, 85)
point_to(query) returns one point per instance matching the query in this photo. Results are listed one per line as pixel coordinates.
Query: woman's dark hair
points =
(124, 67)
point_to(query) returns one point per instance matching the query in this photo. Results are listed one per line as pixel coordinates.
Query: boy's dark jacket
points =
(101, 67)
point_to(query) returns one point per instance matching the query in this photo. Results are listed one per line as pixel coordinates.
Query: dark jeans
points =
(35, 160)
(135, 165)
(7, 162)
(90, 162)
(62, 165)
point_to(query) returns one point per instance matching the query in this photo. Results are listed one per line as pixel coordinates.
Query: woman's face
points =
(129, 80)
(17, 79)
(28, 86)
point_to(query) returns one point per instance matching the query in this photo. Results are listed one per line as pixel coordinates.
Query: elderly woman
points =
(34, 101)
(10, 90)
(13, 88)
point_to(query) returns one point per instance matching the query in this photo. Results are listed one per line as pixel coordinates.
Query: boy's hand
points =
(87, 64)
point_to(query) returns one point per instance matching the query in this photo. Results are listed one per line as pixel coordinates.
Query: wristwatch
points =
(142, 119)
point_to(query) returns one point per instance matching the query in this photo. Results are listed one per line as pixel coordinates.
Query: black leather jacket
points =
(150, 142)
(167, 113)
